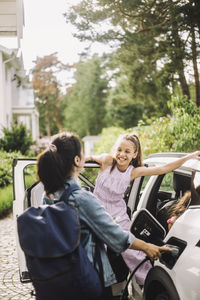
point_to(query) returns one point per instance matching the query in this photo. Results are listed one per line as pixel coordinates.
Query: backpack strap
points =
(68, 191)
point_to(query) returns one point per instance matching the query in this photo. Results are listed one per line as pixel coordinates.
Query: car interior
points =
(167, 200)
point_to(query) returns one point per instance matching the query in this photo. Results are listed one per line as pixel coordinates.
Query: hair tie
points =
(52, 148)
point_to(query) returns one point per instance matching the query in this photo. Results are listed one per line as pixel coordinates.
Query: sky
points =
(45, 32)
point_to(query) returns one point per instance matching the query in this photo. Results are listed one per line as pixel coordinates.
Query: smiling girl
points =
(116, 173)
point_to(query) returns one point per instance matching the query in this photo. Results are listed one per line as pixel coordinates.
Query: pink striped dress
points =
(109, 189)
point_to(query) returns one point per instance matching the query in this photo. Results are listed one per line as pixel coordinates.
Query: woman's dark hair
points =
(137, 161)
(54, 165)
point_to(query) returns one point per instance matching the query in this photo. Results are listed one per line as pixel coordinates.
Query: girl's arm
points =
(143, 171)
(103, 159)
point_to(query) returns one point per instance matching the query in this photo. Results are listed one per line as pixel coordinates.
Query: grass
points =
(6, 200)
(6, 196)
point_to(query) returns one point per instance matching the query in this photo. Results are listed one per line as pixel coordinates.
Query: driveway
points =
(10, 285)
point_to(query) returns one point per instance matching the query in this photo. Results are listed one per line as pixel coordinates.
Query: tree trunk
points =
(57, 116)
(197, 12)
(194, 60)
(179, 55)
(48, 128)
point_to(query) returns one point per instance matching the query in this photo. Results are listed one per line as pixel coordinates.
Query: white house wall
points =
(1, 90)
(8, 95)
(5, 94)
(26, 97)
(12, 18)
(16, 101)
(16, 98)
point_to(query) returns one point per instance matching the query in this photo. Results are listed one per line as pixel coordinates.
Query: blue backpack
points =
(57, 263)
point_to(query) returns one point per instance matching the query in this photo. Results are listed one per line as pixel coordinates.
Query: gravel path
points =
(10, 286)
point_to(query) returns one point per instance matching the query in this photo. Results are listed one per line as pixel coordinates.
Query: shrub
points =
(107, 139)
(6, 160)
(179, 133)
(6, 200)
(17, 138)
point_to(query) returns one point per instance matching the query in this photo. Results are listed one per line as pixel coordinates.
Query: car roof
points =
(167, 157)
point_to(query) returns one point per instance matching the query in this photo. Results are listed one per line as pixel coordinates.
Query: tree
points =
(191, 24)
(47, 91)
(122, 111)
(151, 34)
(85, 111)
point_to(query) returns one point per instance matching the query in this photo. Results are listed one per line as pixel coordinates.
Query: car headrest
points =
(181, 184)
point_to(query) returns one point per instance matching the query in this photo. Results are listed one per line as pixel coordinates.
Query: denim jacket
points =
(97, 229)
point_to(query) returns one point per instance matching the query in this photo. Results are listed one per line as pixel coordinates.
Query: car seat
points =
(181, 184)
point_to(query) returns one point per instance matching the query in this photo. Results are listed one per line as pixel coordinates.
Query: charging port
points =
(169, 258)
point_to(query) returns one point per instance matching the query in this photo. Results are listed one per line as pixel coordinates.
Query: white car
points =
(177, 275)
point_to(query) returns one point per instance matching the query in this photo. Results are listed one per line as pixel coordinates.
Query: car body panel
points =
(187, 267)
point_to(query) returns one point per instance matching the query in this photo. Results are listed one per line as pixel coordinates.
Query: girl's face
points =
(124, 154)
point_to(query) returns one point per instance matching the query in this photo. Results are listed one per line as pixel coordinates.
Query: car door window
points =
(29, 175)
(87, 178)
(144, 183)
(166, 190)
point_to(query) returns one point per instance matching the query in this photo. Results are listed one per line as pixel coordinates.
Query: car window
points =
(87, 179)
(197, 179)
(172, 187)
(167, 182)
(90, 174)
(144, 182)
(29, 175)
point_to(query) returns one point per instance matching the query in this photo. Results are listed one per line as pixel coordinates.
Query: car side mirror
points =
(147, 228)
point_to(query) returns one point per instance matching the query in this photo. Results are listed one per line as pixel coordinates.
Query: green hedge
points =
(6, 160)
(179, 132)
(6, 188)
(6, 200)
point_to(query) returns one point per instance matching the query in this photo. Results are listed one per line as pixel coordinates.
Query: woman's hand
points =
(151, 250)
(154, 252)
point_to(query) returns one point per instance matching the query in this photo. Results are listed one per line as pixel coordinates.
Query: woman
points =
(58, 168)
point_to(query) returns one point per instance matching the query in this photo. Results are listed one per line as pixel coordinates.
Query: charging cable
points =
(131, 276)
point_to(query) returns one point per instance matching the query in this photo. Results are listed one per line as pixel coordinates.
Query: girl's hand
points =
(88, 158)
(195, 154)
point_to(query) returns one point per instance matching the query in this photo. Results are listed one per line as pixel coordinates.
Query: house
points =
(89, 144)
(16, 92)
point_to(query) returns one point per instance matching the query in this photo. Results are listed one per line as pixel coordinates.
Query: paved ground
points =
(10, 286)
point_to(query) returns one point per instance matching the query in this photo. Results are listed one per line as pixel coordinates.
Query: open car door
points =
(27, 191)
